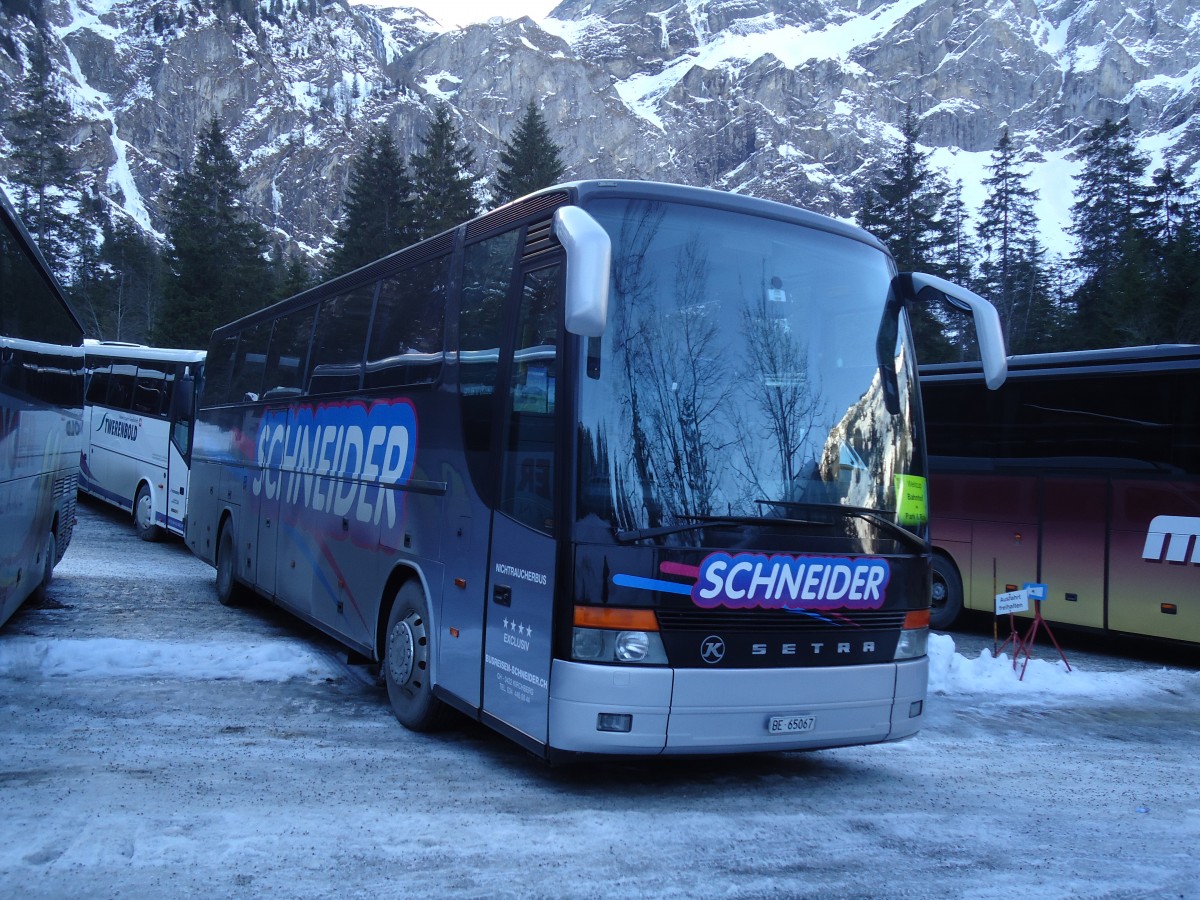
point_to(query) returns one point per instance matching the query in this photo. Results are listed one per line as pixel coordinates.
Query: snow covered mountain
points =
(787, 99)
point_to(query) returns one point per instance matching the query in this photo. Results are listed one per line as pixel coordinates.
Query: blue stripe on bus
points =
(652, 584)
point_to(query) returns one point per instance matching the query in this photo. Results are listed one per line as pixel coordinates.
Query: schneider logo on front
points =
(780, 581)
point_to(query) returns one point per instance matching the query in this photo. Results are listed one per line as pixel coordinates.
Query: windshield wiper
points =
(698, 521)
(856, 512)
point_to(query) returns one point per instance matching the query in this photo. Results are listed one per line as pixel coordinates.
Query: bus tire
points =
(230, 591)
(143, 515)
(407, 651)
(47, 566)
(947, 595)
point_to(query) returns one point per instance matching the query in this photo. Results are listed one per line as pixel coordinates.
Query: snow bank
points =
(276, 660)
(1045, 680)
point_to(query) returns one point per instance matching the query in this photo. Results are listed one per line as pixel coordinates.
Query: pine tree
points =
(216, 268)
(39, 163)
(1108, 221)
(903, 207)
(1010, 274)
(530, 161)
(378, 208)
(134, 283)
(1173, 222)
(441, 178)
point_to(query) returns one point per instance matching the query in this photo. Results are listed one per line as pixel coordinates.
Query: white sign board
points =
(1012, 602)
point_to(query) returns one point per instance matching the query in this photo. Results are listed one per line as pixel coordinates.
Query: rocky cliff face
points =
(789, 99)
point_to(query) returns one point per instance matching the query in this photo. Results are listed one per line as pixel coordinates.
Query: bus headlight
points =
(632, 646)
(609, 634)
(914, 639)
(600, 645)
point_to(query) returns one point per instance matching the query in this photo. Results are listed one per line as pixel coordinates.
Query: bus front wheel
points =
(947, 599)
(51, 552)
(406, 655)
(143, 515)
(229, 591)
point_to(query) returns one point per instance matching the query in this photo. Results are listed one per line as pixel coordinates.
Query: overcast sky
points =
(465, 12)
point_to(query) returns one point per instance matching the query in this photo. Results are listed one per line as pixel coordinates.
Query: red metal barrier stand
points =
(1014, 638)
(1039, 624)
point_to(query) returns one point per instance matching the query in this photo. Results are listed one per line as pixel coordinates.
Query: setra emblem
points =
(712, 649)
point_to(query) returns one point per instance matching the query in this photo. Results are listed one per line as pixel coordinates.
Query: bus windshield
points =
(738, 376)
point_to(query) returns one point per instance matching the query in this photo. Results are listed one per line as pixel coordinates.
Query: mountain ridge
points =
(793, 101)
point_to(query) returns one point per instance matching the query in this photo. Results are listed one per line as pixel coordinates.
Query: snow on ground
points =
(154, 743)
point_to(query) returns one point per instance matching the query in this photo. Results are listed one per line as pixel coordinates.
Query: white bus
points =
(618, 468)
(138, 432)
(41, 406)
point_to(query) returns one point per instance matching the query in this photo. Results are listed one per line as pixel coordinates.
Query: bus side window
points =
(217, 368)
(487, 274)
(98, 379)
(250, 363)
(150, 392)
(287, 361)
(121, 386)
(341, 339)
(410, 327)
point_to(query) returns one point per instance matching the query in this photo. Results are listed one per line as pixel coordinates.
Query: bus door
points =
(179, 452)
(518, 635)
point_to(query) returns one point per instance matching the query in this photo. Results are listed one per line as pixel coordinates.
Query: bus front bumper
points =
(682, 711)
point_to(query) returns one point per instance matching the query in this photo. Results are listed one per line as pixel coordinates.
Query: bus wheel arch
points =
(406, 655)
(143, 514)
(947, 592)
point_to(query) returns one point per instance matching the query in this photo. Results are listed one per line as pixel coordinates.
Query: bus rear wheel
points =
(947, 598)
(406, 655)
(143, 515)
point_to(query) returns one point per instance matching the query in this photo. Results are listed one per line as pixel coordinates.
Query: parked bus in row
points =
(41, 408)
(138, 432)
(618, 468)
(1082, 473)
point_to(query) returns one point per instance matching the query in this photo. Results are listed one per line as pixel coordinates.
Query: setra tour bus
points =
(617, 468)
(41, 406)
(138, 416)
(1081, 473)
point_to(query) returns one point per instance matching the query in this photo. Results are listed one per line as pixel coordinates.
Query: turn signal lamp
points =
(606, 635)
(914, 638)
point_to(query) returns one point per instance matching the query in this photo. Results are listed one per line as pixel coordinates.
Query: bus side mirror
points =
(987, 321)
(589, 259)
(185, 398)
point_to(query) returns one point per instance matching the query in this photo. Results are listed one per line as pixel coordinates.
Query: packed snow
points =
(158, 744)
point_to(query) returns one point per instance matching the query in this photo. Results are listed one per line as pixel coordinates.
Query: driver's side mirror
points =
(589, 258)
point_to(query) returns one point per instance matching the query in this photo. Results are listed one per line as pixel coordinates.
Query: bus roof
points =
(578, 193)
(121, 350)
(1152, 357)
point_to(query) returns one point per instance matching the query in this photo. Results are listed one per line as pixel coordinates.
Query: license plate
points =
(791, 724)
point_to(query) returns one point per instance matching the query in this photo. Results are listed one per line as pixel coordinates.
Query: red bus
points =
(1083, 473)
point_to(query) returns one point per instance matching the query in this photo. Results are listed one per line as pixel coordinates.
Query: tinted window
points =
(218, 366)
(287, 361)
(98, 379)
(31, 309)
(151, 390)
(250, 363)
(341, 341)
(409, 327)
(121, 386)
